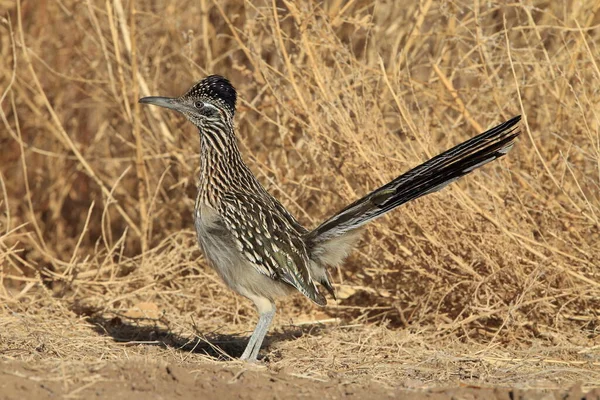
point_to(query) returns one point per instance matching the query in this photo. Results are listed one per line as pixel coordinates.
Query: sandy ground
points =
(162, 380)
(54, 353)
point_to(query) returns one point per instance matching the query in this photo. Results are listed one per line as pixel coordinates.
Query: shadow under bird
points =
(259, 249)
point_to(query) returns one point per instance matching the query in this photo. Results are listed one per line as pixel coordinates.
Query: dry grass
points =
(496, 277)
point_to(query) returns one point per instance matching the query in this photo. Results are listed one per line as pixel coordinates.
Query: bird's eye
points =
(199, 105)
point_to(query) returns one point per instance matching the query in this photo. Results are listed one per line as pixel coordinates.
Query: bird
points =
(254, 244)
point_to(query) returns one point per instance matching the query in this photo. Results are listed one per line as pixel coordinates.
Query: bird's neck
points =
(222, 169)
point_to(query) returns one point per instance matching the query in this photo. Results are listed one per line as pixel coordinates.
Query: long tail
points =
(428, 177)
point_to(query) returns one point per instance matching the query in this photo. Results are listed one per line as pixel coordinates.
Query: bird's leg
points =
(256, 340)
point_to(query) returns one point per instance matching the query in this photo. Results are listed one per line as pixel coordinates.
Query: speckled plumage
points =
(257, 247)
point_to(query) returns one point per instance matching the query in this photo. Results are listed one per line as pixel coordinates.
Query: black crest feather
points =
(215, 88)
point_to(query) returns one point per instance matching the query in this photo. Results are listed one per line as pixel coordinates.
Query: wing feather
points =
(269, 242)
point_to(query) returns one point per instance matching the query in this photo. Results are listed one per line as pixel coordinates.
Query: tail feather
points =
(428, 177)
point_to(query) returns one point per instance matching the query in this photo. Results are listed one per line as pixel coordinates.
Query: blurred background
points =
(335, 99)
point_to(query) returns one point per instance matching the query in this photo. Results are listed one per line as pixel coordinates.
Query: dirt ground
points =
(147, 378)
(56, 354)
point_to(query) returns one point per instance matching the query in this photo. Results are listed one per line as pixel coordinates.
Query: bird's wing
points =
(266, 238)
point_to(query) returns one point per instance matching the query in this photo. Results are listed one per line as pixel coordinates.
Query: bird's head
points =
(209, 101)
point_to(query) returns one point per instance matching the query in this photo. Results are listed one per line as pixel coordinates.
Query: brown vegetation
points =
(493, 280)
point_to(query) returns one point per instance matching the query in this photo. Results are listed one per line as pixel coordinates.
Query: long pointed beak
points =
(166, 102)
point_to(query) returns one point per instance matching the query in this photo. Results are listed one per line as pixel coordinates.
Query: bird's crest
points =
(216, 89)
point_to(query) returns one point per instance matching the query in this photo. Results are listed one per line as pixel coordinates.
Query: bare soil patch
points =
(152, 380)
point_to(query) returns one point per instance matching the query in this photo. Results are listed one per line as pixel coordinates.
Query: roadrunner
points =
(259, 249)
